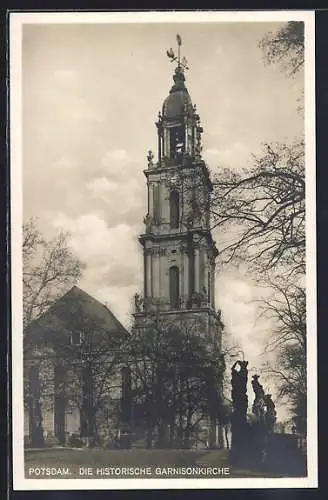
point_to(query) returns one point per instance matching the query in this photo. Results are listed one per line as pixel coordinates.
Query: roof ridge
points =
(79, 293)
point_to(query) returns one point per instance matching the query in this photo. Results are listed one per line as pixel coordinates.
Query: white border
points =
(16, 20)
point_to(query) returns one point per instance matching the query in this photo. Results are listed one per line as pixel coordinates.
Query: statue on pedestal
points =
(239, 388)
(138, 301)
(219, 318)
(239, 443)
(258, 404)
(147, 221)
(150, 158)
(270, 415)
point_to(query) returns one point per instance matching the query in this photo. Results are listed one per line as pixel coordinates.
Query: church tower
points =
(179, 251)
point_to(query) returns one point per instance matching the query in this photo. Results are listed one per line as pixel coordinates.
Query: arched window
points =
(174, 209)
(177, 140)
(174, 287)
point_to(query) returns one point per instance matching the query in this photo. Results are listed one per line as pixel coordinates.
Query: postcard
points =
(163, 246)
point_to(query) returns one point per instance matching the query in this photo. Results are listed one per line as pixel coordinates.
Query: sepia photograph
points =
(163, 248)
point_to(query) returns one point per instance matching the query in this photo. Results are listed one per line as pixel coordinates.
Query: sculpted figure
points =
(258, 404)
(150, 158)
(239, 387)
(270, 416)
(138, 302)
(147, 222)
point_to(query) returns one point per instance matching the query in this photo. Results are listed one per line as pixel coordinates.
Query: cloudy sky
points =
(91, 95)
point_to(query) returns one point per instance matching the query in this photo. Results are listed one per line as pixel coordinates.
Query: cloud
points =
(83, 112)
(101, 186)
(238, 298)
(64, 75)
(123, 198)
(118, 300)
(110, 253)
(66, 161)
(113, 271)
(117, 185)
(91, 235)
(117, 155)
(236, 156)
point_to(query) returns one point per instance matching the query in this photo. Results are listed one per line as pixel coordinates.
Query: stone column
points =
(213, 284)
(193, 140)
(155, 272)
(156, 201)
(164, 207)
(148, 274)
(150, 199)
(160, 281)
(197, 283)
(185, 275)
(160, 200)
(159, 144)
(206, 268)
(166, 142)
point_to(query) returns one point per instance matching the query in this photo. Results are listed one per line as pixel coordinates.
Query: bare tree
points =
(286, 46)
(287, 305)
(177, 381)
(261, 214)
(286, 308)
(262, 210)
(49, 269)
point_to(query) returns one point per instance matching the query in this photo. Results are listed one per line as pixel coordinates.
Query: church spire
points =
(179, 252)
(179, 131)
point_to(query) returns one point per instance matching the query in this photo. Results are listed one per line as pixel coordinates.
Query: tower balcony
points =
(146, 305)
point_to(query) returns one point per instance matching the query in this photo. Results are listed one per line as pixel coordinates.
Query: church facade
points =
(85, 363)
(73, 371)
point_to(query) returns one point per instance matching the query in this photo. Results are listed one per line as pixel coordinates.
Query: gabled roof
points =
(75, 311)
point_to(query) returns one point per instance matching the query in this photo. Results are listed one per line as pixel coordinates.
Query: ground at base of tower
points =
(102, 464)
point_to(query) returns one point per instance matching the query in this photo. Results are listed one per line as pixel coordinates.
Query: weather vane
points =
(182, 63)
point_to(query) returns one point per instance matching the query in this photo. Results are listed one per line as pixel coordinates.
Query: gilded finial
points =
(182, 63)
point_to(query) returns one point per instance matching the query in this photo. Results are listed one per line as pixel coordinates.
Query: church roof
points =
(75, 311)
(178, 99)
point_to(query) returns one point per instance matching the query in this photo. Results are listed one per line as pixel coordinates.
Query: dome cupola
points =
(178, 101)
(178, 125)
